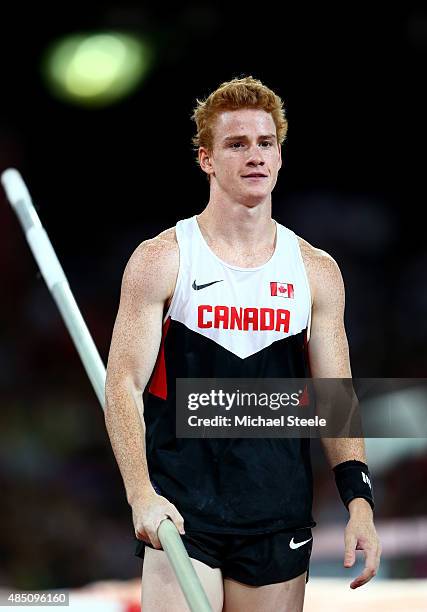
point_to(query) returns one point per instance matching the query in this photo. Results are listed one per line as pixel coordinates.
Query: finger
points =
(141, 534)
(154, 538)
(178, 520)
(369, 570)
(378, 557)
(365, 576)
(349, 555)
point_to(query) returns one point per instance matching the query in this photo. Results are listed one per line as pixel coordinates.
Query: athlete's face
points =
(245, 157)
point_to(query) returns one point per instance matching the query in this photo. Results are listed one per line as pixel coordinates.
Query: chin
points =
(258, 193)
(254, 198)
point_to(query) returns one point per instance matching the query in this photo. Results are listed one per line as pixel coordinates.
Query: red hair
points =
(245, 92)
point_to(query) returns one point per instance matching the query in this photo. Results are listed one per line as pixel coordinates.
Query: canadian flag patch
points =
(285, 290)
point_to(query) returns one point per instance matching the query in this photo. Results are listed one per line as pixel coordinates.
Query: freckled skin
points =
(148, 281)
(237, 225)
(231, 160)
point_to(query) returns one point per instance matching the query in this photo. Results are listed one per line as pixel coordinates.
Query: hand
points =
(360, 534)
(149, 512)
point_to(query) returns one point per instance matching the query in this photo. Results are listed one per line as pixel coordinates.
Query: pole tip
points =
(14, 186)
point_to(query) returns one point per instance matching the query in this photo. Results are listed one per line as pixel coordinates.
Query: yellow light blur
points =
(96, 69)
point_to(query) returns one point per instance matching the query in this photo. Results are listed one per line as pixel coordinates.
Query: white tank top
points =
(242, 309)
(230, 322)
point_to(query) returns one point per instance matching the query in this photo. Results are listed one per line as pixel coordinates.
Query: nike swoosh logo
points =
(295, 545)
(198, 287)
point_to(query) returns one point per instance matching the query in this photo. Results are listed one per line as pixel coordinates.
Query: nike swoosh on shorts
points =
(294, 545)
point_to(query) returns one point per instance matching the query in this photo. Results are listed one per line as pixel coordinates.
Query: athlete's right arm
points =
(148, 281)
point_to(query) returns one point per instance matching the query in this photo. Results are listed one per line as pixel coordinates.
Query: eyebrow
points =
(240, 137)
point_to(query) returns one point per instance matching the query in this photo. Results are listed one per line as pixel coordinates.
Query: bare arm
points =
(328, 346)
(148, 282)
(329, 358)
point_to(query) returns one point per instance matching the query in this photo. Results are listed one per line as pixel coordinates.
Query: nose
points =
(255, 157)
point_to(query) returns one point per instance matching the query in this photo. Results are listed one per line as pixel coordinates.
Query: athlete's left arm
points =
(329, 358)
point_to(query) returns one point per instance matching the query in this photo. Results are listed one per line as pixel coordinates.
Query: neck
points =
(235, 223)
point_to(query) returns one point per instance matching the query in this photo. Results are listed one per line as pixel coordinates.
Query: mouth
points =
(254, 175)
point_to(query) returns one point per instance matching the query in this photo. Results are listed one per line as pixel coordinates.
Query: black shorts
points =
(255, 560)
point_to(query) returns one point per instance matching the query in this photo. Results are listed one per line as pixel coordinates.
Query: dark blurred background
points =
(104, 179)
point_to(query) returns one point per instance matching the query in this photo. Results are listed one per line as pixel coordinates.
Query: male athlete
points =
(200, 300)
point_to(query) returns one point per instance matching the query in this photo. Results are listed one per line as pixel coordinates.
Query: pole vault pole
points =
(42, 249)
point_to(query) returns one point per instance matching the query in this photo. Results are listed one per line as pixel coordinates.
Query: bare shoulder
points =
(153, 266)
(323, 271)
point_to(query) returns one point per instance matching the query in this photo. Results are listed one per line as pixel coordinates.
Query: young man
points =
(191, 306)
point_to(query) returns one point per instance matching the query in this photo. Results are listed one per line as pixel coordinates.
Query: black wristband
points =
(354, 480)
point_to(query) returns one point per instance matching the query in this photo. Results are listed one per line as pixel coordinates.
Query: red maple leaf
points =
(282, 289)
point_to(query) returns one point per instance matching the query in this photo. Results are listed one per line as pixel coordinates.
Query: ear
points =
(280, 155)
(205, 160)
